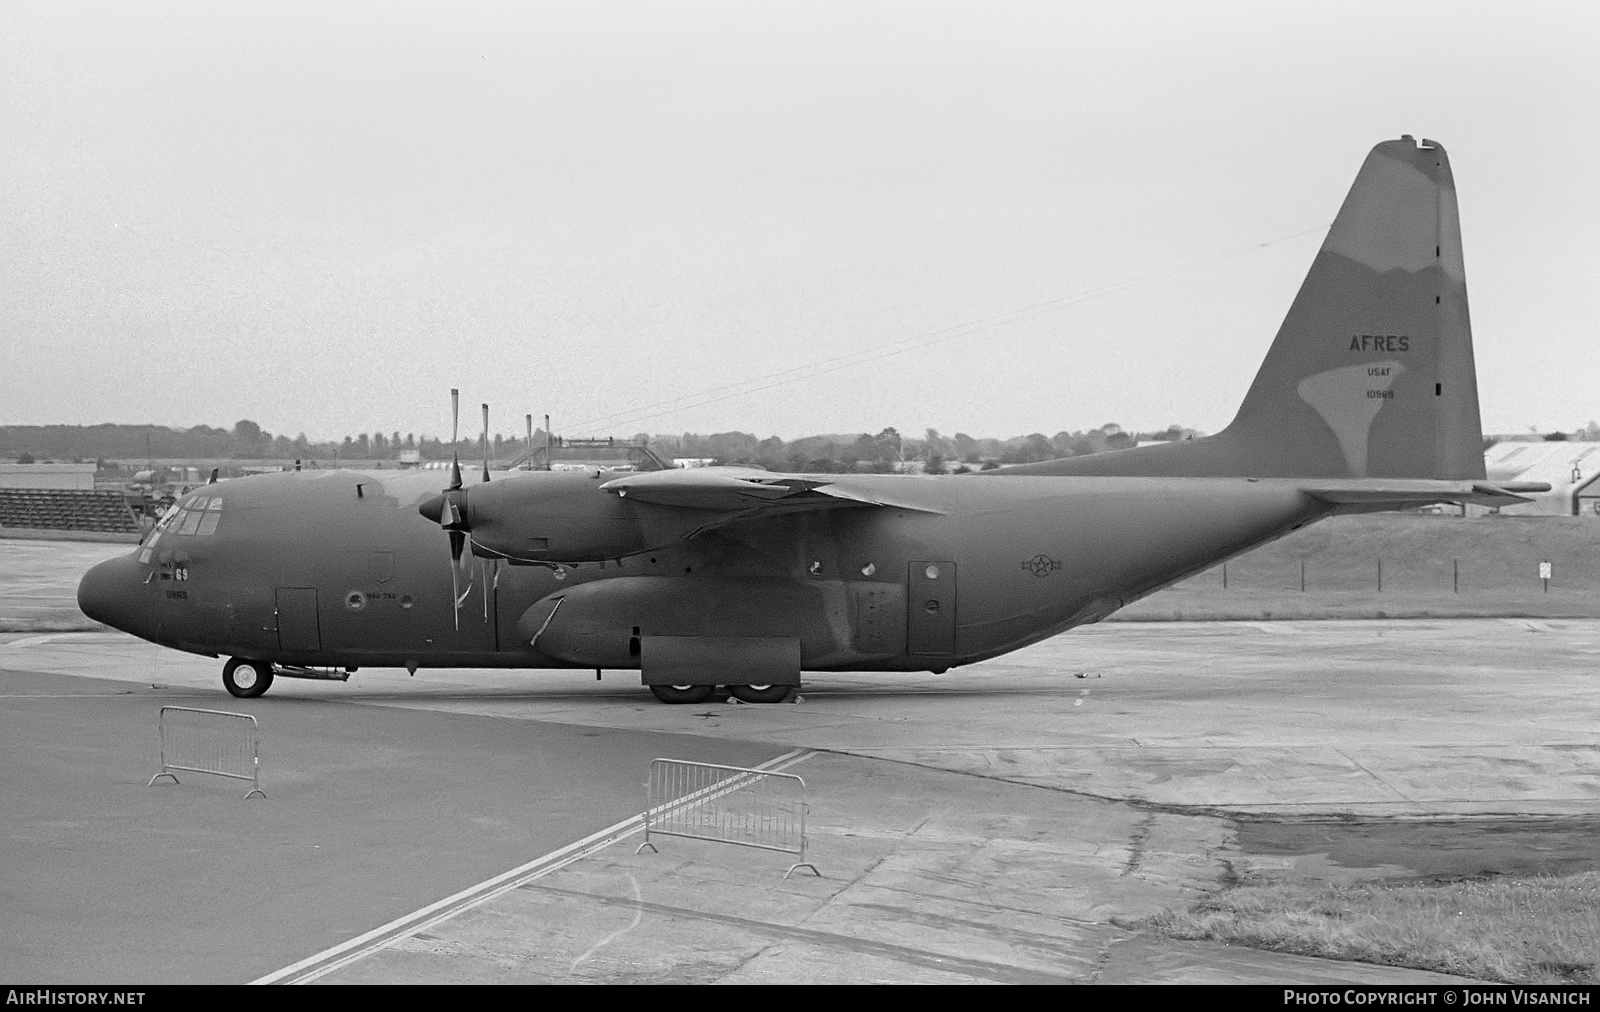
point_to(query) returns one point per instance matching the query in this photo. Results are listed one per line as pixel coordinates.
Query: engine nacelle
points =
(562, 516)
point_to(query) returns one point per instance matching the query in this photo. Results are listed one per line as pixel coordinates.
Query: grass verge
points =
(1533, 930)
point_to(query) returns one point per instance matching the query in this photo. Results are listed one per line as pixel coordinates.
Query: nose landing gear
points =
(246, 679)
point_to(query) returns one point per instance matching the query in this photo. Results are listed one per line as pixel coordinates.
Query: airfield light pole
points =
(529, 465)
(547, 466)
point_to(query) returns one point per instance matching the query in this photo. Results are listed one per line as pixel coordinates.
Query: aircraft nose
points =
(109, 593)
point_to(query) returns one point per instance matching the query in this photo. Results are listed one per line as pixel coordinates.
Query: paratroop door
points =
(297, 619)
(931, 608)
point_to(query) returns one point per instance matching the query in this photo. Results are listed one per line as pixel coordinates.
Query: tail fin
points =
(1371, 374)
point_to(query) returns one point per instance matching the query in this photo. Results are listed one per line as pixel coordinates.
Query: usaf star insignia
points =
(1041, 566)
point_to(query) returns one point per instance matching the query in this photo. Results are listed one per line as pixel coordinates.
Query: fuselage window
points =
(191, 522)
(208, 521)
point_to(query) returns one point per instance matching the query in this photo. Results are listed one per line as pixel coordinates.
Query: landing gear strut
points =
(246, 679)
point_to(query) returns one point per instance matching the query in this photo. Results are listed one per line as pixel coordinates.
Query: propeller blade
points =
(455, 434)
(445, 508)
(457, 539)
(486, 442)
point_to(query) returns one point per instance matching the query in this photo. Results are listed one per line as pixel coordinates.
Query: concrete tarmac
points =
(370, 813)
(998, 822)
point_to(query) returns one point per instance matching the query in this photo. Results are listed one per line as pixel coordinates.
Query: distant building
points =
(79, 476)
(693, 461)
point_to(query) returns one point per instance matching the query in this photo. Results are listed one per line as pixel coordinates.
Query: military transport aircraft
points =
(1367, 400)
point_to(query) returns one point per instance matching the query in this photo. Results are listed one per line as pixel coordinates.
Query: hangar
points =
(1571, 468)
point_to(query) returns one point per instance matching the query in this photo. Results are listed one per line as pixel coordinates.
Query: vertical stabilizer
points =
(1371, 374)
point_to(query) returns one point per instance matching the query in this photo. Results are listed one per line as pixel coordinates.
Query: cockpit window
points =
(166, 518)
(197, 516)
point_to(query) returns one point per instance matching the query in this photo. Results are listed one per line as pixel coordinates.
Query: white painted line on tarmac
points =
(401, 928)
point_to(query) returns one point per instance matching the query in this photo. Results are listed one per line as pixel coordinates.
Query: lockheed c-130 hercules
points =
(1367, 400)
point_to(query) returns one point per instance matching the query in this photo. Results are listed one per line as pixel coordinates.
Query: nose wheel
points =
(246, 679)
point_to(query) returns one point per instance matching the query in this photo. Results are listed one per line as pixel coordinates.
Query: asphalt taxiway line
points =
(327, 961)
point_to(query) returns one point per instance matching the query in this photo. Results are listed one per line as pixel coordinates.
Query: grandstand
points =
(66, 510)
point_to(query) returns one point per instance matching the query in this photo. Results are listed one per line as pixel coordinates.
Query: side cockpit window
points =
(167, 517)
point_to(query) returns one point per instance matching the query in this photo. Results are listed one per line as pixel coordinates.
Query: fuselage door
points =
(931, 608)
(298, 628)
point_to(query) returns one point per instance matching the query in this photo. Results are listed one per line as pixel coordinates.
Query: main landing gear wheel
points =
(760, 693)
(682, 693)
(246, 679)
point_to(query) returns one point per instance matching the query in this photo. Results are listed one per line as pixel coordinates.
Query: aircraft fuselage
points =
(338, 569)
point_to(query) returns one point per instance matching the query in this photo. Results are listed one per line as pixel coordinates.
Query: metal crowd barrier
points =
(210, 741)
(727, 804)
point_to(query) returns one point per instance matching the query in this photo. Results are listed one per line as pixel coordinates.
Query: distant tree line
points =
(246, 440)
(888, 450)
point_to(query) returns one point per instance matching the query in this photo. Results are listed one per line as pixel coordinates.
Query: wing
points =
(743, 491)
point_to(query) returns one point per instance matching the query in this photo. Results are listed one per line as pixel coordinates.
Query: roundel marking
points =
(1041, 565)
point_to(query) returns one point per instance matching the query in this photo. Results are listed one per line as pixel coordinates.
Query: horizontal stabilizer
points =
(1357, 495)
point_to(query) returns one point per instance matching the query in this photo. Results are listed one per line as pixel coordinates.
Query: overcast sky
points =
(322, 216)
